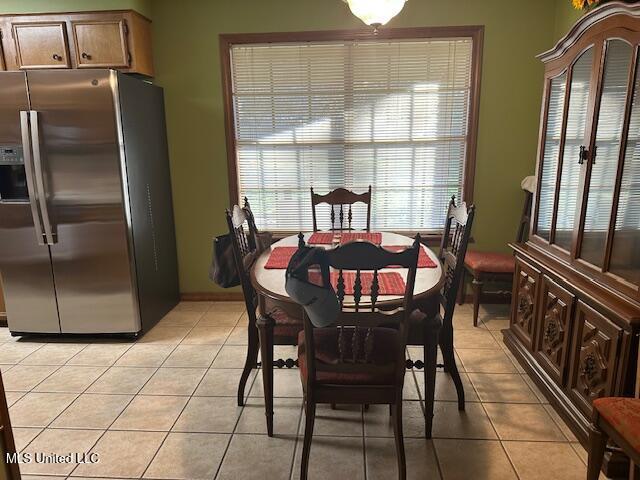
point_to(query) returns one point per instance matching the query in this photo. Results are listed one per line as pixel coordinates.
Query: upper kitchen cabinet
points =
(40, 45)
(109, 39)
(101, 44)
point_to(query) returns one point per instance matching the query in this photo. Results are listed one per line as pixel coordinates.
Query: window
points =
(395, 111)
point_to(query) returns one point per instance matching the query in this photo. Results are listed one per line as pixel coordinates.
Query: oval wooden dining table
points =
(269, 283)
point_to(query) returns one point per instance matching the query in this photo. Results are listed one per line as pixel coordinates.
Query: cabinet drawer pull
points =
(56, 57)
(86, 56)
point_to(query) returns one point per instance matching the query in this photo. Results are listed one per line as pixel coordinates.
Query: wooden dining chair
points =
(357, 360)
(616, 419)
(276, 327)
(338, 199)
(455, 238)
(485, 267)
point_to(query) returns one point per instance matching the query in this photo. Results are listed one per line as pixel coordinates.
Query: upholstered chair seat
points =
(490, 262)
(623, 414)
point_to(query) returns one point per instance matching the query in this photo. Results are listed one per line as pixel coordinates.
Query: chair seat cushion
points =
(285, 325)
(383, 354)
(623, 414)
(490, 262)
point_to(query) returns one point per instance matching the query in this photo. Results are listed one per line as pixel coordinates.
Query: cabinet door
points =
(41, 45)
(625, 255)
(550, 156)
(602, 171)
(553, 339)
(574, 138)
(523, 310)
(101, 44)
(564, 134)
(596, 344)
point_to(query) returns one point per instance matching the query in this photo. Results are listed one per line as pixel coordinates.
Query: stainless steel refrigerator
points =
(87, 240)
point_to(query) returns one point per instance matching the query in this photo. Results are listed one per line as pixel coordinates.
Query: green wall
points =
(566, 16)
(188, 67)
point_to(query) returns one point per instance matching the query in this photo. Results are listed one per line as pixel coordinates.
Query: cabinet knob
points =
(57, 57)
(86, 55)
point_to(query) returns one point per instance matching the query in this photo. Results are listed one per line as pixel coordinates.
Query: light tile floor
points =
(164, 407)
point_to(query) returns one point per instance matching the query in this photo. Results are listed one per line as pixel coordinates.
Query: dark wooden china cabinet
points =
(576, 293)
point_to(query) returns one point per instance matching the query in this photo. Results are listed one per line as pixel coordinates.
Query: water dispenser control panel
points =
(11, 155)
(13, 178)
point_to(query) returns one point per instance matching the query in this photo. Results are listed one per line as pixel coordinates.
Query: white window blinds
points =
(393, 114)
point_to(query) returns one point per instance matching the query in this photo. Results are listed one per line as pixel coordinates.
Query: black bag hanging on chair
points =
(223, 269)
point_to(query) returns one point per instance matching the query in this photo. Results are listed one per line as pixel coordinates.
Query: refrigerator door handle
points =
(39, 176)
(28, 169)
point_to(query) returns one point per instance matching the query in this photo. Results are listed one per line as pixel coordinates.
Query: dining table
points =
(269, 282)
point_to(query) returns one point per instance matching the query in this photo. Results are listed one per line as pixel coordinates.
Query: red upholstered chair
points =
(493, 266)
(618, 419)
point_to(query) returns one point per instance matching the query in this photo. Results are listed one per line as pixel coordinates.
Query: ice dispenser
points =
(13, 179)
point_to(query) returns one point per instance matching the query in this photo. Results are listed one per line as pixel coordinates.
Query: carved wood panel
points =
(595, 352)
(552, 344)
(523, 309)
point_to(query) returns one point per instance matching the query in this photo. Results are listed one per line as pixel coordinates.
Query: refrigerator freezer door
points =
(82, 157)
(25, 265)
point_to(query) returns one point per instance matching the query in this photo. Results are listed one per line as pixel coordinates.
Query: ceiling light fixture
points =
(375, 12)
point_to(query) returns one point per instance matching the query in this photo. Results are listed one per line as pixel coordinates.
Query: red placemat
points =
(321, 238)
(366, 236)
(391, 283)
(279, 257)
(424, 260)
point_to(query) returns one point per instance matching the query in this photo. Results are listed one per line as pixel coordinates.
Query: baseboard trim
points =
(3, 319)
(212, 297)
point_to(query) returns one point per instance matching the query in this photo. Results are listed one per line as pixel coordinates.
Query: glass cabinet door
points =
(604, 163)
(549, 165)
(574, 138)
(625, 254)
